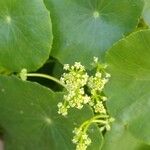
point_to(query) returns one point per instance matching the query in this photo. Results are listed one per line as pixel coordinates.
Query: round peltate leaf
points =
(129, 88)
(25, 34)
(29, 118)
(86, 28)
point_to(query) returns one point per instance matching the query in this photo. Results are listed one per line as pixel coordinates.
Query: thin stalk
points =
(47, 77)
(99, 121)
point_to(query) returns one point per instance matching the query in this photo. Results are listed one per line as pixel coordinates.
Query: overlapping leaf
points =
(129, 91)
(86, 28)
(146, 12)
(25, 34)
(29, 118)
(119, 138)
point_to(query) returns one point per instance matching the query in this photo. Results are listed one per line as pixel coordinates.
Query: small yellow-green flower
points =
(81, 89)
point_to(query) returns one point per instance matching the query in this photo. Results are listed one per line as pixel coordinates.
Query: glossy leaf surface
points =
(87, 28)
(25, 34)
(29, 118)
(128, 90)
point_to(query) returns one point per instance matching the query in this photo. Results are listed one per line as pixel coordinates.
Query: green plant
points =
(54, 95)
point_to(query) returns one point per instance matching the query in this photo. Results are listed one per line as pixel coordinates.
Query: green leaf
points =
(120, 139)
(87, 28)
(128, 90)
(25, 34)
(29, 118)
(146, 12)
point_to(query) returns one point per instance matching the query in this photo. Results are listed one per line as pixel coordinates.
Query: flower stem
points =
(99, 121)
(47, 77)
(100, 116)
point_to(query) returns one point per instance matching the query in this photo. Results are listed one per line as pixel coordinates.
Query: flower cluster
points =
(99, 108)
(23, 74)
(96, 85)
(81, 138)
(82, 89)
(74, 80)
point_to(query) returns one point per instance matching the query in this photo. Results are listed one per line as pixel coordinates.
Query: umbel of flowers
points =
(82, 89)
